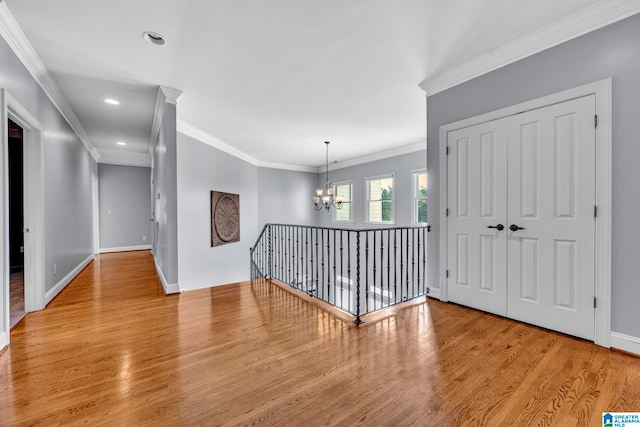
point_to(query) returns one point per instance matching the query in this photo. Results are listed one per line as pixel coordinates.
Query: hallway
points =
(112, 349)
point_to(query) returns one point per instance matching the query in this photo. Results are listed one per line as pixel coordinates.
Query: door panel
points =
(536, 171)
(477, 188)
(551, 194)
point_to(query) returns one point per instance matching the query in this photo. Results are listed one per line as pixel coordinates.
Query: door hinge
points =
(447, 274)
(447, 212)
(595, 120)
(447, 150)
(594, 302)
(595, 211)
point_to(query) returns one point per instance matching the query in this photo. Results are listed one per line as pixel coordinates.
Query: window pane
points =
(344, 190)
(422, 210)
(375, 211)
(344, 214)
(386, 211)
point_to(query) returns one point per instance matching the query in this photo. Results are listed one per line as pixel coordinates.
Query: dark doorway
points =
(16, 223)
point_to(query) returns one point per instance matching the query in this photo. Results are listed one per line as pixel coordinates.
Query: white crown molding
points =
(380, 155)
(166, 95)
(600, 14)
(297, 168)
(199, 135)
(20, 45)
(124, 158)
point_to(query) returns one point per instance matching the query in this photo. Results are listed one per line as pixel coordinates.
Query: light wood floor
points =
(16, 297)
(111, 349)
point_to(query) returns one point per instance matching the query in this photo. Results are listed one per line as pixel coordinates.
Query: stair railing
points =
(356, 270)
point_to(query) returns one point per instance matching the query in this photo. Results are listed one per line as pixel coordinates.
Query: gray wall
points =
(613, 51)
(201, 169)
(67, 174)
(401, 166)
(165, 207)
(284, 197)
(125, 192)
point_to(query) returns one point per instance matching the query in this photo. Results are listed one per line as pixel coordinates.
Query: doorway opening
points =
(16, 222)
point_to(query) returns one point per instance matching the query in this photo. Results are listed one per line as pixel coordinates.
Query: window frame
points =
(351, 220)
(414, 196)
(367, 181)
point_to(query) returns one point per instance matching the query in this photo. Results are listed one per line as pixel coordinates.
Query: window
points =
(344, 189)
(380, 199)
(419, 207)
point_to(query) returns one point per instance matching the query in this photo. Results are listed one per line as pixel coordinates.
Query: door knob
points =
(499, 227)
(514, 227)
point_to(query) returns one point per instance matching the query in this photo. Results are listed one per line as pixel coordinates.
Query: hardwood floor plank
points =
(112, 349)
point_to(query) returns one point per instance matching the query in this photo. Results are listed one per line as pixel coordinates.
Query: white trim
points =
(3, 340)
(124, 158)
(625, 342)
(434, 293)
(166, 95)
(53, 292)
(380, 155)
(201, 136)
(125, 249)
(20, 45)
(168, 288)
(95, 208)
(584, 21)
(34, 220)
(602, 91)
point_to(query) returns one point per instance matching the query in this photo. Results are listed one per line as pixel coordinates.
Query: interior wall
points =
(165, 197)
(401, 166)
(67, 174)
(284, 197)
(125, 206)
(613, 51)
(202, 169)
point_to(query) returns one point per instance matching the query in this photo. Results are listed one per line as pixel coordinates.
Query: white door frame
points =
(10, 108)
(602, 91)
(95, 202)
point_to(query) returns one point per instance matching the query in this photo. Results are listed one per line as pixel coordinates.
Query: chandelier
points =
(327, 197)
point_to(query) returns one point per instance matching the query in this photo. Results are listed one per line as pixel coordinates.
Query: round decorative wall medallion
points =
(226, 219)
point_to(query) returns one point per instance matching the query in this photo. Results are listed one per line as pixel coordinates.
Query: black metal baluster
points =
(381, 268)
(401, 266)
(322, 261)
(358, 320)
(341, 272)
(270, 254)
(366, 271)
(407, 269)
(388, 265)
(335, 277)
(395, 265)
(329, 266)
(413, 262)
(374, 269)
(424, 259)
(349, 269)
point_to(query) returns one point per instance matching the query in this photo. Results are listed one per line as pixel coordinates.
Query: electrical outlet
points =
(55, 269)
(144, 238)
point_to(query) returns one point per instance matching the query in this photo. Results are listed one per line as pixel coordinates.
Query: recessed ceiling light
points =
(112, 101)
(154, 38)
(121, 143)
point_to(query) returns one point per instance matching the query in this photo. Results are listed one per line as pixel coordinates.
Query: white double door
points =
(531, 175)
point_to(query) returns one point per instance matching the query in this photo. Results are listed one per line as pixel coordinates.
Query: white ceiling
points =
(273, 79)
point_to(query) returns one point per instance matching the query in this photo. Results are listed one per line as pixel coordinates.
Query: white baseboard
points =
(3, 340)
(625, 342)
(169, 288)
(125, 249)
(51, 294)
(434, 293)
